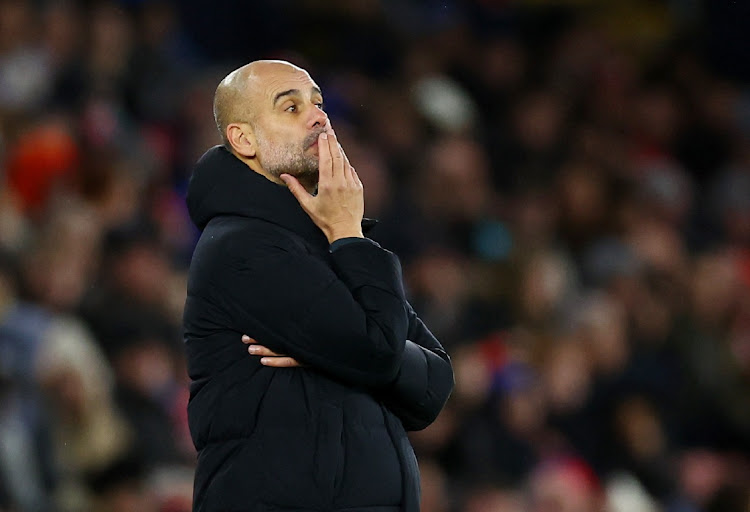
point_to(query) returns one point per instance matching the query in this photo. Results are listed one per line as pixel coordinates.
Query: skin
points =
(270, 116)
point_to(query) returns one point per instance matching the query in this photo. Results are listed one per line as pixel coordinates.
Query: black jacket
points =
(331, 435)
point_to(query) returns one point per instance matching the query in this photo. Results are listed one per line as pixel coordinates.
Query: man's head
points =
(269, 114)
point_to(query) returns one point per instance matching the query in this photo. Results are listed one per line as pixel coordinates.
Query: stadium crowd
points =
(567, 184)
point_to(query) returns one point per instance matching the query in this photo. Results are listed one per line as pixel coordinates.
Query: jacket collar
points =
(221, 184)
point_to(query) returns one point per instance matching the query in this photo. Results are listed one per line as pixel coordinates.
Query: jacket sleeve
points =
(424, 380)
(350, 322)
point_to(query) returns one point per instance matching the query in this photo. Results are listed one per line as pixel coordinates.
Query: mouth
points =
(313, 140)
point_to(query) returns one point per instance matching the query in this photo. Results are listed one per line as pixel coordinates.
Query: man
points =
(318, 421)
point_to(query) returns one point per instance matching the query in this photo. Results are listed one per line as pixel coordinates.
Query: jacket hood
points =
(221, 184)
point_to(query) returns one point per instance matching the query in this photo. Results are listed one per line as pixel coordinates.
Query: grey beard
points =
(299, 167)
(291, 159)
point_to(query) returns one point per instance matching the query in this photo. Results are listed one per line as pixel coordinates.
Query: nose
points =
(318, 118)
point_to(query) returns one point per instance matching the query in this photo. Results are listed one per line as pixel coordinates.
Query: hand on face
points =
(338, 207)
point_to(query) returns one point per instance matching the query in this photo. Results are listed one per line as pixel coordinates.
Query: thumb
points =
(296, 188)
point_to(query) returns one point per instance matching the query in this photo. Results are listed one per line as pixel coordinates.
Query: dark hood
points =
(222, 184)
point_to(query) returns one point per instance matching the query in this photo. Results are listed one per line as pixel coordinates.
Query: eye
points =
(320, 105)
(291, 108)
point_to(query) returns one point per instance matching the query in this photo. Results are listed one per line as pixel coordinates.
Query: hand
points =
(338, 207)
(269, 357)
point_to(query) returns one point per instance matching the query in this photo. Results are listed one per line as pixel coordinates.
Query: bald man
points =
(339, 365)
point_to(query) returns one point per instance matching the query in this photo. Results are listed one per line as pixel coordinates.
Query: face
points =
(290, 119)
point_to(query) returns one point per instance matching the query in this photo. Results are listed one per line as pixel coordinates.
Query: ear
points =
(242, 140)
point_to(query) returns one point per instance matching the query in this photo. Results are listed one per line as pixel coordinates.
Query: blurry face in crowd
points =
(563, 487)
(127, 497)
(286, 110)
(493, 500)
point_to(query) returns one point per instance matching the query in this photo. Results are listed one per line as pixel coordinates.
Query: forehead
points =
(280, 78)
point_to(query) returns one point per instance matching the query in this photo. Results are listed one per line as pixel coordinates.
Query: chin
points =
(311, 171)
(304, 175)
(311, 175)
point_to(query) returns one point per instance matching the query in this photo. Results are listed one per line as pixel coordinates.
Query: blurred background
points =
(567, 184)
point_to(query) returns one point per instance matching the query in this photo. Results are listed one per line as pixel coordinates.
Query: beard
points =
(288, 157)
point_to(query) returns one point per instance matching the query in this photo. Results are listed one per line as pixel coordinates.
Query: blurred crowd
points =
(567, 184)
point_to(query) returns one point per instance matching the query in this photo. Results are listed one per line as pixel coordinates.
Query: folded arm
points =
(424, 379)
(350, 322)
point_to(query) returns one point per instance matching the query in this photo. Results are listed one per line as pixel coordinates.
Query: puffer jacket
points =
(330, 436)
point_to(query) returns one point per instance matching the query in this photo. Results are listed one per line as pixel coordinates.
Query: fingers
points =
(337, 156)
(347, 166)
(260, 350)
(325, 169)
(355, 177)
(257, 349)
(338, 205)
(280, 362)
(268, 356)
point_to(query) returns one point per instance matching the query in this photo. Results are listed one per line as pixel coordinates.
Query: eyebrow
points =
(292, 92)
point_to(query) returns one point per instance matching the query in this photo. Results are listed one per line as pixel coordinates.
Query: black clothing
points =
(330, 435)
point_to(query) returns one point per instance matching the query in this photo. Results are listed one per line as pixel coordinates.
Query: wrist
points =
(334, 235)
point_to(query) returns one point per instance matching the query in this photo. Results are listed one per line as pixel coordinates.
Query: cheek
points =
(265, 147)
(274, 152)
(278, 144)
